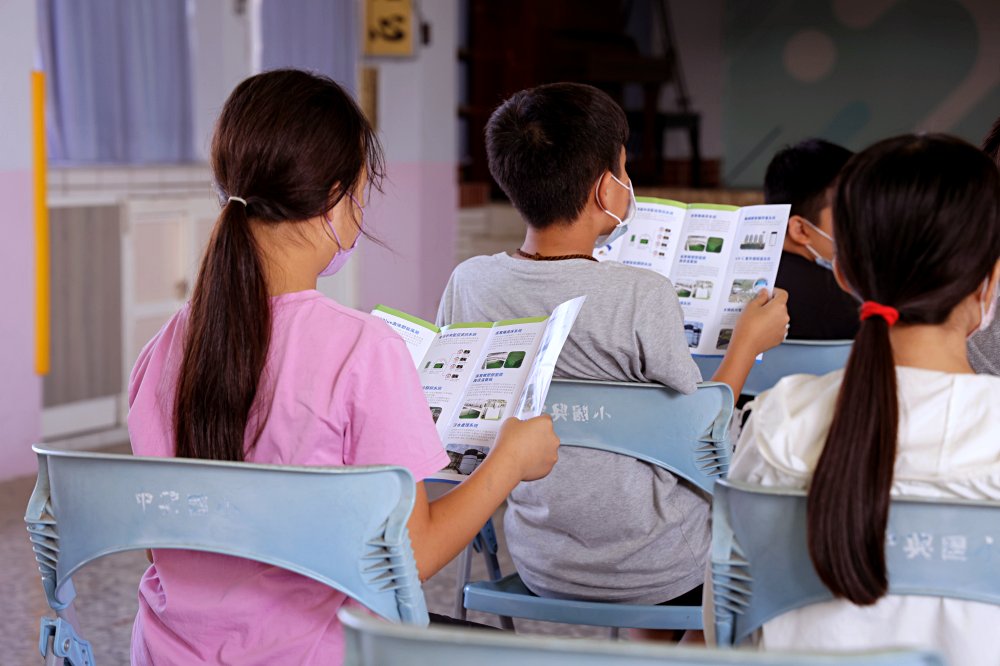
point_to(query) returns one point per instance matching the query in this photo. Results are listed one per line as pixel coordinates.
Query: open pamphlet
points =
(476, 375)
(718, 257)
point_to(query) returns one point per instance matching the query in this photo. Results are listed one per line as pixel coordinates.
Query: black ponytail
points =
(917, 228)
(849, 496)
(991, 144)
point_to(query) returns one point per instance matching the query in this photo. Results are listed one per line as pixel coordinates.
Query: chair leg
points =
(489, 545)
(464, 569)
(485, 543)
(615, 633)
(61, 643)
(492, 565)
(50, 654)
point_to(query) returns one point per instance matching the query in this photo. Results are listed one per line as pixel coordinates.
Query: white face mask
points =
(986, 314)
(622, 227)
(820, 259)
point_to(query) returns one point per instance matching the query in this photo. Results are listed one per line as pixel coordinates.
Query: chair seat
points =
(509, 596)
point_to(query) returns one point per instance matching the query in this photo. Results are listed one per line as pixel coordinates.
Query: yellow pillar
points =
(42, 321)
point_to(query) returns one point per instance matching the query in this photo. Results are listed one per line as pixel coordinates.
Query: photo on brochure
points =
(465, 459)
(476, 375)
(717, 257)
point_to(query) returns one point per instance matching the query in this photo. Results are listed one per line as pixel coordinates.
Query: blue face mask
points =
(622, 227)
(820, 259)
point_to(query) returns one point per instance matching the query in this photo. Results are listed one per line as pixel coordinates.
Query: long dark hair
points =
(917, 228)
(292, 144)
(991, 144)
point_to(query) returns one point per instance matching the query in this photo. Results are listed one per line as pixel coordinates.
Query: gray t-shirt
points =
(600, 526)
(984, 350)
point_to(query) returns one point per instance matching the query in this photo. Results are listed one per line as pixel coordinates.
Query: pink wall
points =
(416, 218)
(20, 387)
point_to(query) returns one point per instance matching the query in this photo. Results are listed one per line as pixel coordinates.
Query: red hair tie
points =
(872, 309)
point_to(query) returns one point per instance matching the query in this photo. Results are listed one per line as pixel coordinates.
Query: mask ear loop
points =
(597, 197)
(329, 224)
(820, 259)
(361, 226)
(986, 312)
(818, 230)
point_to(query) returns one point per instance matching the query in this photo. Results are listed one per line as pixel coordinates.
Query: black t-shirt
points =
(818, 308)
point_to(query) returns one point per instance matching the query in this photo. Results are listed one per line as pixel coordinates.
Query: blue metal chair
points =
(344, 527)
(792, 357)
(761, 566)
(687, 435)
(373, 642)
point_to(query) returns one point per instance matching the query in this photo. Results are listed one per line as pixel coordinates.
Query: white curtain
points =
(316, 35)
(118, 81)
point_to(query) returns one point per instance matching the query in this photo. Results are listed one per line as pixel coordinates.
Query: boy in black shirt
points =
(804, 176)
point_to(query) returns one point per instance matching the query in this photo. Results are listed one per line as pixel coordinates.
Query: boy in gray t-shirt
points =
(601, 526)
(984, 347)
(984, 350)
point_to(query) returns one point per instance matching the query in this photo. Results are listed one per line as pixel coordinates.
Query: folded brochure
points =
(476, 375)
(717, 257)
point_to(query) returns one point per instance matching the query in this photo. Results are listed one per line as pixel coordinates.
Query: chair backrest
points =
(761, 566)
(373, 642)
(342, 526)
(685, 434)
(792, 357)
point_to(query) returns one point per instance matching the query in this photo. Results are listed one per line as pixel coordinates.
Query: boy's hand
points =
(764, 322)
(531, 446)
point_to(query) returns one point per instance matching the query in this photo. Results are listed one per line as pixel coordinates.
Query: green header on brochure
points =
(526, 320)
(473, 324)
(712, 207)
(662, 202)
(410, 318)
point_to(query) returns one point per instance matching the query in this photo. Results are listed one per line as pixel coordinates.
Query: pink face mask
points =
(339, 260)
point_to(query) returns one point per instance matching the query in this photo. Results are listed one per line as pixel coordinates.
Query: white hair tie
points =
(240, 199)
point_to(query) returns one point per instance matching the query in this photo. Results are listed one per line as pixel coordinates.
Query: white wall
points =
(20, 387)
(220, 44)
(418, 214)
(17, 59)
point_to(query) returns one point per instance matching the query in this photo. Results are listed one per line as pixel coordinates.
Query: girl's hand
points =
(440, 530)
(764, 322)
(530, 446)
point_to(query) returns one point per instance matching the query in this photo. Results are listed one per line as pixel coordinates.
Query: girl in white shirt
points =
(917, 222)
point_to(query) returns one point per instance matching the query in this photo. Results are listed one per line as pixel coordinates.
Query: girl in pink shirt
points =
(261, 367)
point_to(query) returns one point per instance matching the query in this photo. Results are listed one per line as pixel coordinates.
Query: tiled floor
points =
(106, 592)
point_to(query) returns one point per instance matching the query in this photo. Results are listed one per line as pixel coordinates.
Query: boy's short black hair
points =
(547, 146)
(991, 144)
(801, 174)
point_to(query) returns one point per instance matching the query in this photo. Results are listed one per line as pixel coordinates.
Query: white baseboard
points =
(91, 441)
(80, 418)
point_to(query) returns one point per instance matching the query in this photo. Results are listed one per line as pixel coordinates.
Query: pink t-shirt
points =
(335, 374)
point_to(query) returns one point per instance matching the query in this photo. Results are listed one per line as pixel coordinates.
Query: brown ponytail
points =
(292, 145)
(229, 330)
(917, 228)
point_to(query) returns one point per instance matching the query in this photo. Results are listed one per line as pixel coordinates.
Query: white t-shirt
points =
(949, 446)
